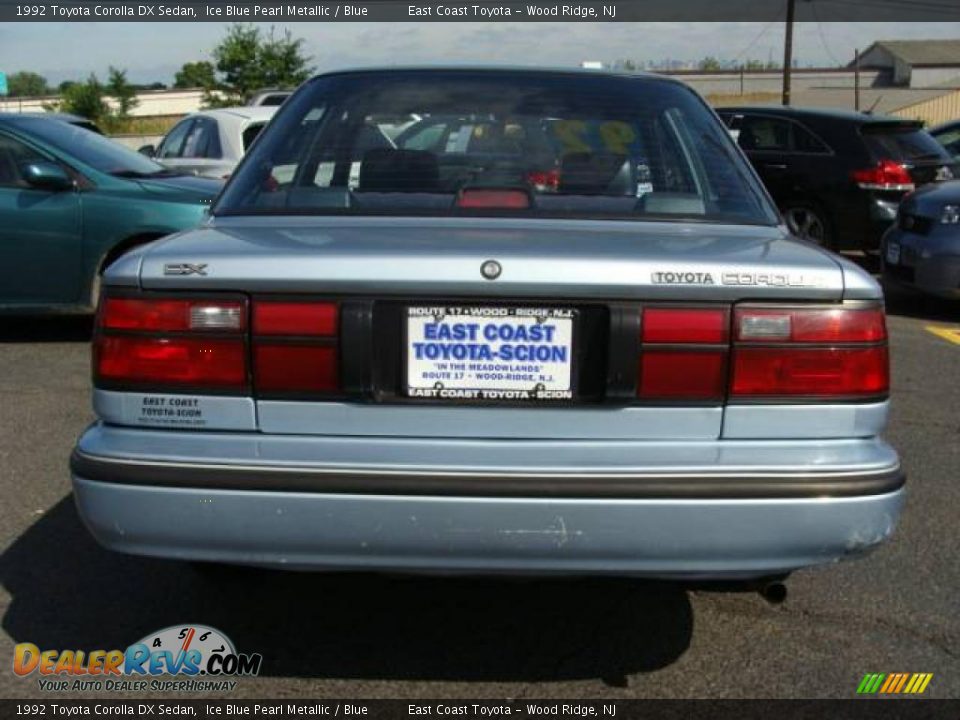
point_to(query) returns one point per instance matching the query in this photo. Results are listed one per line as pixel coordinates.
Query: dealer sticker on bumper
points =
(489, 353)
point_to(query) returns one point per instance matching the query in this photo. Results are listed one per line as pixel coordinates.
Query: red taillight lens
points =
(479, 198)
(813, 372)
(684, 325)
(885, 175)
(164, 343)
(670, 371)
(284, 361)
(158, 361)
(171, 315)
(825, 325)
(815, 352)
(291, 368)
(295, 318)
(683, 375)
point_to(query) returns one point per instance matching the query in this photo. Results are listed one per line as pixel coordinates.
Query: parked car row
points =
(838, 179)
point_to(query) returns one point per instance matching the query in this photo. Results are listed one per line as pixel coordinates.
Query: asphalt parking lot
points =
(362, 636)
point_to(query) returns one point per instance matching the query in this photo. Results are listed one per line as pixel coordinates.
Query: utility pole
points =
(856, 79)
(788, 51)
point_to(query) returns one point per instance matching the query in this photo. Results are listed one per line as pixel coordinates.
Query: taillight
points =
(295, 347)
(814, 352)
(162, 343)
(172, 315)
(684, 354)
(483, 198)
(544, 180)
(885, 175)
(160, 362)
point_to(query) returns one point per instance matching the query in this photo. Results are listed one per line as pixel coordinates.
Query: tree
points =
(123, 93)
(89, 99)
(85, 99)
(248, 61)
(199, 74)
(709, 63)
(27, 84)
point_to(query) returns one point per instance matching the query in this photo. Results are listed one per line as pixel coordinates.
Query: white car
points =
(210, 143)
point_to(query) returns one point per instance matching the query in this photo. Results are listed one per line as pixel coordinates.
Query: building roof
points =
(922, 52)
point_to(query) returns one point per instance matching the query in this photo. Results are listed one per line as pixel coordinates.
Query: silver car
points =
(210, 143)
(561, 329)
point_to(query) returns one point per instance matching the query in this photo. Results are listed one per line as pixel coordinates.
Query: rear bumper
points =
(923, 265)
(634, 508)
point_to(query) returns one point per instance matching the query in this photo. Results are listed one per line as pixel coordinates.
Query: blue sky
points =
(153, 52)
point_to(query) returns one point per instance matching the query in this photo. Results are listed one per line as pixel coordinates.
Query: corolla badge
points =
(491, 269)
(944, 173)
(185, 269)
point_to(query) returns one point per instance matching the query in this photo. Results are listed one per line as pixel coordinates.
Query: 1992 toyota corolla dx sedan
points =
(490, 320)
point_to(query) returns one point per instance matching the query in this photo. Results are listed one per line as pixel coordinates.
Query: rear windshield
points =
(250, 134)
(903, 143)
(501, 143)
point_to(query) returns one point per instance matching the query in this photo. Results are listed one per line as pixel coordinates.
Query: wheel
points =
(810, 223)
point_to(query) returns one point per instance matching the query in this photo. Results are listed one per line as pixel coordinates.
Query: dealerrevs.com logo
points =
(199, 657)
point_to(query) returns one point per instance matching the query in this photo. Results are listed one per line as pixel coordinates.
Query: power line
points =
(949, 9)
(756, 39)
(823, 39)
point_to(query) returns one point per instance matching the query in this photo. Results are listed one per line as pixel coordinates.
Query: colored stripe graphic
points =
(894, 683)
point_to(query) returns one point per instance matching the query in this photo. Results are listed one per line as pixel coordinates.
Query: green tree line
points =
(244, 61)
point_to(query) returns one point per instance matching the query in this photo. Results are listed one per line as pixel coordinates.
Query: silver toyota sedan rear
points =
(488, 320)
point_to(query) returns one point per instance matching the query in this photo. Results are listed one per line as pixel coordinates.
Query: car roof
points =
(942, 127)
(63, 117)
(505, 69)
(53, 116)
(240, 112)
(852, 116)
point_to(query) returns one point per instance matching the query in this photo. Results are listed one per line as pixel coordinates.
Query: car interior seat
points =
(392, 170)
(747, 139)
(9, 175)
(595, 174)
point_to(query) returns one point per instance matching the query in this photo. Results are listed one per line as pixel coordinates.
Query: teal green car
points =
(71, 202)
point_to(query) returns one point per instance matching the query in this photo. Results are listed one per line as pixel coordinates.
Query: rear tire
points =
(807, 220)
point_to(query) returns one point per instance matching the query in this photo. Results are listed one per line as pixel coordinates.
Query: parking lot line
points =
(950, 334)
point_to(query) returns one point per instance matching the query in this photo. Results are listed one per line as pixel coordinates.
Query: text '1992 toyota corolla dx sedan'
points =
(486, 320)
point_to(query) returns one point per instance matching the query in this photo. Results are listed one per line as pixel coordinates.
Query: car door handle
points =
(775, 166)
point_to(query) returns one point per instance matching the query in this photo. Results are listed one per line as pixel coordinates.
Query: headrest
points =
(595, 174)
(391, 170)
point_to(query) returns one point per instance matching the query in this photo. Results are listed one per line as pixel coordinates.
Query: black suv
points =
(838, 177)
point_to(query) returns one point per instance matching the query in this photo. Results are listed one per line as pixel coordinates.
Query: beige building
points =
(915, 63)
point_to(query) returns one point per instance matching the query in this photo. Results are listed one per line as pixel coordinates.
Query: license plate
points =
(489, 353)
(893, 253)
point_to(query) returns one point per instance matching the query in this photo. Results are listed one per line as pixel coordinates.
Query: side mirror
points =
(47, 176)
(148, 150)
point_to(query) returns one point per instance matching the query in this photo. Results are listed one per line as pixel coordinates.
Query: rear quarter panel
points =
(111, 217)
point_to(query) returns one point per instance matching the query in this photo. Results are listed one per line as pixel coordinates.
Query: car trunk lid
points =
(538, 258)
